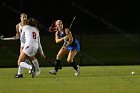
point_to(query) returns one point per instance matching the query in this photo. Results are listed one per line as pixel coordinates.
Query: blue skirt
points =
(74, 46)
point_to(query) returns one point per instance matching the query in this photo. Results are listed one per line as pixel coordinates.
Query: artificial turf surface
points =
(92, 79)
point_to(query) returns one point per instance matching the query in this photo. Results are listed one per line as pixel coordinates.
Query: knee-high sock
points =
(74, 65)
(19, 70)
(36, 64)
(25, 65)
(58, 65)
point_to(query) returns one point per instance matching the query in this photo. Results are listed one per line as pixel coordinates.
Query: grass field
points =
(92, 79)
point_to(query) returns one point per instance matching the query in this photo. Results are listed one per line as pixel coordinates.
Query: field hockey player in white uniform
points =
(32, 44)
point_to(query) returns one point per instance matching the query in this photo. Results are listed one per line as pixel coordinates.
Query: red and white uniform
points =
(22, 40)
(32, 40)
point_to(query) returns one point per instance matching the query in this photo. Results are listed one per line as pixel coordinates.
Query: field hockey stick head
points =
(1, 37)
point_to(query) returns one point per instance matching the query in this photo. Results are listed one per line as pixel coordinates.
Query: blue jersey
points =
(73, 46)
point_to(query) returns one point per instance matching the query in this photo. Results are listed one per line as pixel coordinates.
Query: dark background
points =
(108, 30)
(120, 13)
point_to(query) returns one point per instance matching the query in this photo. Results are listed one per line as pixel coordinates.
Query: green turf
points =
(92, 79)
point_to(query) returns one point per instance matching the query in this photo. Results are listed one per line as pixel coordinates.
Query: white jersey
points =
(31, 35)
(22, 40)
(32, 43)
(19, 28)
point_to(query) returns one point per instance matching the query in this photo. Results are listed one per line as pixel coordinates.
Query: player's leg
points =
(70, 58)
(19, 74)
(27, 51)
(36, 64)
(22, 64)
(61, 53)
(27, 59)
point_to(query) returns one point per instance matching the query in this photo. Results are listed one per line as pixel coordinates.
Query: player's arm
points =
(40, 50)
(14, 37)
(68, 36)
(22, 35)
(17, 32)
(58, 39)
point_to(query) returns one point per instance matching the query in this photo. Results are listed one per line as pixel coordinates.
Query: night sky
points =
(90, 19)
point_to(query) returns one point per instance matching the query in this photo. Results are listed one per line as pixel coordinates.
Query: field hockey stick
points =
(8, 38)
(48, 60)
(80, 36)
(1, 37)
(70, 26)
(72, 22)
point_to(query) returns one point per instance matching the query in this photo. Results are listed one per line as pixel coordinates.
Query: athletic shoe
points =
(77, 72)
(33, 72)
(38, 72)
(29, 71)
(53, 72)
(19, 76)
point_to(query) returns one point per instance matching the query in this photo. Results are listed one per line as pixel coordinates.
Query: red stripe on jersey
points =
(27, 47)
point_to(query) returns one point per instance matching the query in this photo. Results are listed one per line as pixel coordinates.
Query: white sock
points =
(36, 64)
(19, 70)
(25, 65)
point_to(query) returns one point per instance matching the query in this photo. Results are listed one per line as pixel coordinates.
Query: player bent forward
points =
(32, 44)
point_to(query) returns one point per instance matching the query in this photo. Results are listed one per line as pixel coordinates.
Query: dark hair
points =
(32, 22)
(52, 27)
(53, 24)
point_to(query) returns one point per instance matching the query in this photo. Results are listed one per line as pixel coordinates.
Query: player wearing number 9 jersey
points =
(32, 44)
